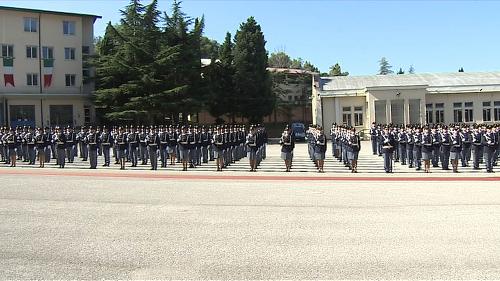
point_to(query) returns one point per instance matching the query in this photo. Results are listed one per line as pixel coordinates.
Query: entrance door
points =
(380, 112)
(397, 112)
(415, 111)
(61, 115)
(22, 115)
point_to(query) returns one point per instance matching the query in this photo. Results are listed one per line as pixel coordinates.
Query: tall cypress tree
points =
(252, 81)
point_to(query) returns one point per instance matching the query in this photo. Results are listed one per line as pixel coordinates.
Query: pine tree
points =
(461, 69)
(400, 71)
(335, 70)
(219, 77)
(385, 67)
(280, 60)
(252, 81)
(411, 70)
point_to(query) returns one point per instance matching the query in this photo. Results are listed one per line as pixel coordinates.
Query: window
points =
(30, 24)
(85, 73)
(47, 53)
(486, 111)
(86, 50)
(32, 79)
(69, 53)
(469, 112)
(346, 116)
(457, 112)
(428, 114)
(69, 27)
(358, 116)
(86, 114)
(496, 110)
(7, 50)
(61, 115)
(439, 107)
(70, 80)
(31, 52)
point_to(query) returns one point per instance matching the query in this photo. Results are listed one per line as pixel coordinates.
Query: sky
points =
(433, 36)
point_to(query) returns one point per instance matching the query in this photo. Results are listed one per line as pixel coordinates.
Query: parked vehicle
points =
(299, 129)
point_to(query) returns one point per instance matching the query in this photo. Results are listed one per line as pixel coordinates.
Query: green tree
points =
(209, 48)
(335, 70)
(252, 81)
(411, 70)
(461, 69)
(310, 67)
(280, 60)
(219, 77)
(400, 71)
(297, 63)
(385, 67)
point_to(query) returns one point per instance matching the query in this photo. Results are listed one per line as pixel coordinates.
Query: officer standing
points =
(387, 141)
(445, 148)
(93, 143)
(41, 143)
(489, 143)
(320, 149)
(153, 141)
(287, 142)
(121, 143)
(106, 142)
(218, 141)
(60, 143)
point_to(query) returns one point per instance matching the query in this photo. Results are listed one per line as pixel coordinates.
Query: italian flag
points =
(48, 68)
(8, 71)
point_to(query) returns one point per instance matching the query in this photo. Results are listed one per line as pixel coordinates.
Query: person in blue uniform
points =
(445, 148)
(427, 147)
(387, 141)
(287, 142)
(320, 149)
(183, 144)
(12, 141)
(417, 149)
(153, 141)
(489, 143)
(60, 143)
(355, 147)
(121, 147)
(93, 141)
(107, 143)
(251, 142)
(455, 148)
(41, 144)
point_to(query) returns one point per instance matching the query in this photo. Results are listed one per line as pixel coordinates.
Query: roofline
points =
(47, 12)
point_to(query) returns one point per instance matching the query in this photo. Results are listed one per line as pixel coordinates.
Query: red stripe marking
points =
(253, 177)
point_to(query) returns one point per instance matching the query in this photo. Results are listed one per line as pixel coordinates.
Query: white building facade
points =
(407, 99)
(44, 73)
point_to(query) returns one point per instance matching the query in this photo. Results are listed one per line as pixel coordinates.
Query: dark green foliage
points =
(252, 81)
(385, 67)
(146, 73)
(400, 71)
(335, 70)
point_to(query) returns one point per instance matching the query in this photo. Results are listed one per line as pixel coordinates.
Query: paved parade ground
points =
(167, 224)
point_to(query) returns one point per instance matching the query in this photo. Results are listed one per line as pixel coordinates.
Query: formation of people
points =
(437, 145)
(415, 146)
(190, 145)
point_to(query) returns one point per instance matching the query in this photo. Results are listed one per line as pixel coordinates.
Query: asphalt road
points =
(70, 227)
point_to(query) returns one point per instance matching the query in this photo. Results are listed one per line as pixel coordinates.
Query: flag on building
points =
(48, 68)
(8, 71)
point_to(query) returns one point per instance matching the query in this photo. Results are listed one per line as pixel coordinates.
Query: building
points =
(407, 99)
(292, 88)
(44, 72)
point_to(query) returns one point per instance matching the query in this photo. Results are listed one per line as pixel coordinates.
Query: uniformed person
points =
(387, 141)
(60, 143)
(93, 140)
(287, 142)
(153, 141)
(320, 149)
(427, 147)
(107, 142)
(121, 147)
(251, 142)
(355, 147)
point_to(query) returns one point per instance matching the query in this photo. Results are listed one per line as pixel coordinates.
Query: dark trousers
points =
(465, 156)
(445, 157)
(153, 157)
(93, 157)
(436, 155)
(402, 153)
(106, 151)
(489, 153)
(61, 157)
(409, 153)
(476, 156)
(388, 161)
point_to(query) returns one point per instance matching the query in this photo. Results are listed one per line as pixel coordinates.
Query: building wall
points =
(476, 98)
(50, 34)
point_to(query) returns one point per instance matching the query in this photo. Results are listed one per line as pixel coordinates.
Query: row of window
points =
(462, 112)
(32, 79)
(347, 116)
(47, 52)
(31, 25)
